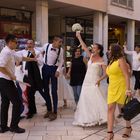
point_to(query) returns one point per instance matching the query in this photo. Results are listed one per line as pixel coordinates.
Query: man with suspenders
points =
(53, 61)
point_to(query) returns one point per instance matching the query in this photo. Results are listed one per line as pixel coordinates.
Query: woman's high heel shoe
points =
(127, 135)
(111, 137)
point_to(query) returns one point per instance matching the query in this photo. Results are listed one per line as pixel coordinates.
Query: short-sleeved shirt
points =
(8, 58)
(24, 53)
(52, 56)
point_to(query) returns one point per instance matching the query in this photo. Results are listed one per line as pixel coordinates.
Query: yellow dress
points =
(117, 84)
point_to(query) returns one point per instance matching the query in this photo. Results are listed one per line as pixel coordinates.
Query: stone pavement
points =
(39, 128)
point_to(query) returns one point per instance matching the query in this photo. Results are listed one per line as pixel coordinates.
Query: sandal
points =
(111, 137)
(127, 135)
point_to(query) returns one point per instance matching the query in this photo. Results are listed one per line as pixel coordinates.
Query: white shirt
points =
(8, 58)
(135, 59)
(24, 53)
(52, 56)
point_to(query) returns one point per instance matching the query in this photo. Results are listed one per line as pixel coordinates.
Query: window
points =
(130, 3)
(116, 1)
(123, 3)
(15, 21)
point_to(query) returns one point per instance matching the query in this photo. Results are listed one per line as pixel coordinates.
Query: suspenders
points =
(47, 54)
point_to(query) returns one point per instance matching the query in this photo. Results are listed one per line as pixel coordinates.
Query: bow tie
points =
(53, 49)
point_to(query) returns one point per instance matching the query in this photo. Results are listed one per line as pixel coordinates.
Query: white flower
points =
(76, 27)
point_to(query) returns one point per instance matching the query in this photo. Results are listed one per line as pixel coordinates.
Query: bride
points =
(92, 107)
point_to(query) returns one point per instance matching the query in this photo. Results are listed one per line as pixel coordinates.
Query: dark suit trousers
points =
(48, 74)
(31, 99)
(9, 93)
(137, 79)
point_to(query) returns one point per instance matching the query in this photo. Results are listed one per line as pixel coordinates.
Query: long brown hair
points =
(116, 52)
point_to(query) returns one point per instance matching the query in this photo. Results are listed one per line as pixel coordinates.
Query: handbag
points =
(131, 108)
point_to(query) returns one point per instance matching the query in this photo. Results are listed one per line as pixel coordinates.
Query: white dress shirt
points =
(52, 56)
(135, 59)
(24, 53)
(8, 58)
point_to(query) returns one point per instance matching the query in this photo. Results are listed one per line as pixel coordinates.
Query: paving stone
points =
(38, 133)
(94, 137)
(80, 132)
(35, 138)
(72, 137)
(39, 128)
(52, 138)
(57, 133)
(5, 138)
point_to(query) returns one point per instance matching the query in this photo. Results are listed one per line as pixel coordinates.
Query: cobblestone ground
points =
(39, 128)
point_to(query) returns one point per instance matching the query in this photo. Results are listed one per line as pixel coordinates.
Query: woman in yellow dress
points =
(119, 87)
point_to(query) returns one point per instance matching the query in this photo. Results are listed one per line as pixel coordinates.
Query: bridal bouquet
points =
(76, 27)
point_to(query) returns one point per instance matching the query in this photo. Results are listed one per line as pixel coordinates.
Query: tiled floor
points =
(39, 128)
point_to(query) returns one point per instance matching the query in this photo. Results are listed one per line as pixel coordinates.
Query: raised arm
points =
(20, 57)
(84, 46)
(126, 50)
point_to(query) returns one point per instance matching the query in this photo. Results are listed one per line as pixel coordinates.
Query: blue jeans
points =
(76, 91)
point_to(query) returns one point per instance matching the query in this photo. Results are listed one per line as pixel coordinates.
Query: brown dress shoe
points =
(47, 114)
(53, 116)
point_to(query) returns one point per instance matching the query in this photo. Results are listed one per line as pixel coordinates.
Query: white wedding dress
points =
(92, 107)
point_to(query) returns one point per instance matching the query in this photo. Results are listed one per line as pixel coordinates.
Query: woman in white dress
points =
(92, 107)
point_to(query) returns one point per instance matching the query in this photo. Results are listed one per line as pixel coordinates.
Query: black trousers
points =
(31, 99)
(137, 79)
(48, 74)
(9, 93)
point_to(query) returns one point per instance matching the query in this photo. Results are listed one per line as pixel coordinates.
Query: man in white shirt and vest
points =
(8, 90)
(53, 61)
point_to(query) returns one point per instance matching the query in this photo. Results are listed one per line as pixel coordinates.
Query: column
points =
(130, 36)
(98, 27)
(105, 34)
(42, 21)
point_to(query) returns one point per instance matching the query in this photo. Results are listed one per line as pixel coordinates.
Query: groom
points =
(53, 61)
